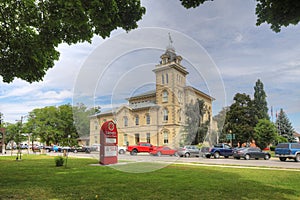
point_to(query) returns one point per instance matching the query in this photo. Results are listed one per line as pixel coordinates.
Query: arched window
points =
(165, 96)
(165, 115)
(147, 119)
(125, 118)
(137, 120)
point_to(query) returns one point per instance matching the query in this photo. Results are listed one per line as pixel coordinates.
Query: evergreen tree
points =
(284, 126)
(260, 102)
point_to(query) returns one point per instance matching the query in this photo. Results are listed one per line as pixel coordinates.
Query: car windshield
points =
(283, 145)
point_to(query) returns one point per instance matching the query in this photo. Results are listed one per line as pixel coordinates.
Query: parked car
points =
(188, 151)
(81, 149)
(164, 151)
(140, 147)
(221, 150)
(251, 152)
(205, 152)
(48, 148)
(121, 150)
(288, 151)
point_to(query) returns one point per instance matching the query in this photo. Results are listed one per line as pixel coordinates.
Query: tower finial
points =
(170, 39)
(170, 46)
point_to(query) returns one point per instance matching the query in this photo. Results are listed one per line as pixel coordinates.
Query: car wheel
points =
(247, 157)
(207, 156)
(121, 151)
(282, 158)
(187, 155)
(297, 158)
(267, 157)
(133, 152)
(216, 155)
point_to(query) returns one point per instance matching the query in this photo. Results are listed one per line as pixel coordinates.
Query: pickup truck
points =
(288, 151)
(221, 150)
(140, 147)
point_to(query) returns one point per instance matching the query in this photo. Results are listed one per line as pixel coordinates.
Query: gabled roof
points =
(199, 92)
(151, 93)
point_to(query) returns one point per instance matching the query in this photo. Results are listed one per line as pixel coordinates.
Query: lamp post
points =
(19, 137)
(230, 132)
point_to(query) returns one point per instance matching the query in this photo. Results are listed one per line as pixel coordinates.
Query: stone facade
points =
(156, 116)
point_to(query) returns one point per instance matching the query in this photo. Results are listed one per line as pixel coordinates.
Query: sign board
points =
(110, 151)
(230, 136)
(108, 143)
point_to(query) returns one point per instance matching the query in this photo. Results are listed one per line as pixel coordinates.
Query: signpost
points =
(108, 143)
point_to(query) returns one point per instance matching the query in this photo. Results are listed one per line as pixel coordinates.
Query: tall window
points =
(179, 96)
(162, 79)
(167, 78)
(166, 137)
(165, 115)
(147, 118)
(137, 138)
(126, 139)
(148, 137)
(165, 96)
(137, 120)
(179, 115)
(125, 121)
(96, 124)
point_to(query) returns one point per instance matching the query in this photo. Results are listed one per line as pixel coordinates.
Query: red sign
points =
(109, 128)
(108, 143)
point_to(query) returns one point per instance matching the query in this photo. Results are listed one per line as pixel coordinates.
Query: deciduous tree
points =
(240, 119)
(274, 12)
(196, 128)
(265, 133)
(31, 30)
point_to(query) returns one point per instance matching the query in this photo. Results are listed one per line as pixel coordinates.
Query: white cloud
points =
(241, 51)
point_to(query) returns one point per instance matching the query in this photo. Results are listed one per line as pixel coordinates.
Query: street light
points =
(19, 137)
(230, 132)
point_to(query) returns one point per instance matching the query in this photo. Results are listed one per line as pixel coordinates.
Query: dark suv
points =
(288, 150)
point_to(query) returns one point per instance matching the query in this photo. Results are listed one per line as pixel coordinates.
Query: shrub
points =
(59, 161)
(272, 148)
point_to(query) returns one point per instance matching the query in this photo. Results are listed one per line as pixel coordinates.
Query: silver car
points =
(188, 151)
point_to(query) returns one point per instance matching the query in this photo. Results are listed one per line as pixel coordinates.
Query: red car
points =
(164, 151)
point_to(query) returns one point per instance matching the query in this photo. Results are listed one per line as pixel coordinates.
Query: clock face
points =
(111, 126)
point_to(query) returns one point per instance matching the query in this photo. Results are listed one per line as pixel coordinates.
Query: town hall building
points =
(157, 116)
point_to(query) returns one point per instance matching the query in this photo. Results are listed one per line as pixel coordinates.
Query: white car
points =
(121, 150)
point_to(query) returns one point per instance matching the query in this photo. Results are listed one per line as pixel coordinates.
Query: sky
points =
(222, 48)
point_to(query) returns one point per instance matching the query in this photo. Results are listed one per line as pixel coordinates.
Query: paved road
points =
(273, 162)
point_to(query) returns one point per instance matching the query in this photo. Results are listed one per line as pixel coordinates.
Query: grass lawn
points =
(37, 177)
